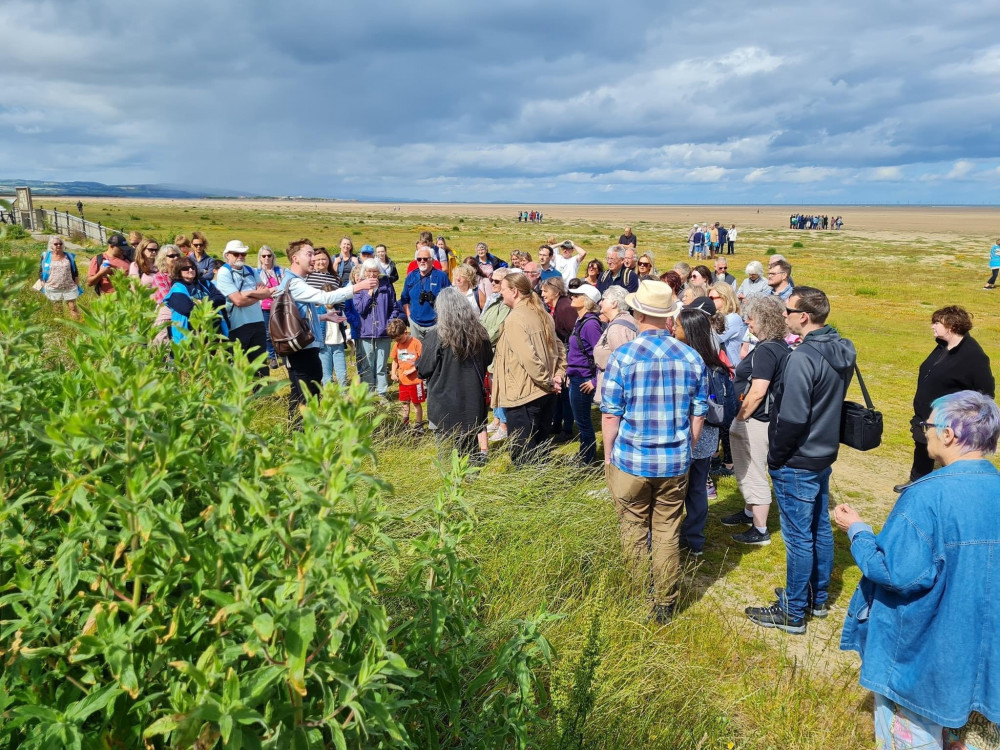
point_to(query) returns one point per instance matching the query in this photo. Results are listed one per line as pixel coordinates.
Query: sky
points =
(560, 102)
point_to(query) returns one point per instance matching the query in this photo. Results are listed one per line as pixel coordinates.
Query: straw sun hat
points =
(655, 299)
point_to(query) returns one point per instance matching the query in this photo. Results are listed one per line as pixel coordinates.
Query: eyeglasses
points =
(197, 244)
(644, 264)
(722, 268)
(173, 255)
(714, 296)
(186, 270)
(423, 260)
(925, 425)
(266, 256)
(793, 311)
(57, 244)
(496, 281)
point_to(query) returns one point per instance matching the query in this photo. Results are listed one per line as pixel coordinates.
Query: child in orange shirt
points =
(404, 354)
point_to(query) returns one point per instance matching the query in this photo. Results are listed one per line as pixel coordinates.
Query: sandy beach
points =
(923, 220)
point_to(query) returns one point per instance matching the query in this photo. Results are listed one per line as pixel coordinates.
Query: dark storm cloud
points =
(516, 100)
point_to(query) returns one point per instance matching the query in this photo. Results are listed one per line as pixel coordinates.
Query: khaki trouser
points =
(748, 441)
(649, 515)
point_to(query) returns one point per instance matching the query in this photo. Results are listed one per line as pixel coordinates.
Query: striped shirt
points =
(318, 280)
(655, 384)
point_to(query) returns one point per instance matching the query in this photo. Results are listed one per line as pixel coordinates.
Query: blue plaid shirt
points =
(655, 384)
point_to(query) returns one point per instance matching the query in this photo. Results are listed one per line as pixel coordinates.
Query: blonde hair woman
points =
(529, 368)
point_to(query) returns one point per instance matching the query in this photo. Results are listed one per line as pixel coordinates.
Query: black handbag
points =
(860, 424)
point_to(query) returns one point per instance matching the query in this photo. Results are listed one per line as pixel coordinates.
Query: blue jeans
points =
(581, 403)
(271, 354)
(334, 362)
(562, 414)
(803, 501)
(696, 505)
(372, 357)
(498, 412)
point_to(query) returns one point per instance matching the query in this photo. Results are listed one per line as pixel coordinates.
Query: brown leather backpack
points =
(289, 331)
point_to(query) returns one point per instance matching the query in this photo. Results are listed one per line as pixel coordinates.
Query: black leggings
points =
(993, 276)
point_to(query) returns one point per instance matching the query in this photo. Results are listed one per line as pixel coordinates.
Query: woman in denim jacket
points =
(925, 617)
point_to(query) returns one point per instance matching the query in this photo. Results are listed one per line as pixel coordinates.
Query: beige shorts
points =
(62, 295)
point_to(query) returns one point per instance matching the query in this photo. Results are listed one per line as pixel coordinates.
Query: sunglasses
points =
(792, 311)
(173, 255)
(716, 296)
(266, 256)
(643, 264)
(57, 244)
(496, 281)
(423, 260)
(197, 244)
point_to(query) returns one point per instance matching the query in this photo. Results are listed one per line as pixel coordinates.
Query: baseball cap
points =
(236, 247)
(590, 290)
(117, 240)
(705, 304)
(367, 250)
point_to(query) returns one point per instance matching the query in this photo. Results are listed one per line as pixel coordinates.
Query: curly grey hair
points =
(458, 324)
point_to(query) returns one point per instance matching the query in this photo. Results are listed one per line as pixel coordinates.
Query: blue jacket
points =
(375, 309)
(422, 313)
(925, 617)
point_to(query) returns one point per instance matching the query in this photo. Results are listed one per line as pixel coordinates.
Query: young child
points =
(404, 353)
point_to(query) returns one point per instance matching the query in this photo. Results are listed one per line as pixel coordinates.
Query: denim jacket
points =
(925, 617)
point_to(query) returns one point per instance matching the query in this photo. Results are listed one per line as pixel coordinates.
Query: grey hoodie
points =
(808, 401)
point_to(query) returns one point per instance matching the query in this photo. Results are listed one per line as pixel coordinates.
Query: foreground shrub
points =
(176, 571)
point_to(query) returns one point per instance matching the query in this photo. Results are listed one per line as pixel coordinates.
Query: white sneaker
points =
(500, 434)
(492, 427)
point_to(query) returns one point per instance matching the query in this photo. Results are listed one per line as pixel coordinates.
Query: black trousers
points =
(253, 338)
(922, 463)
(528, 427)
(306, 373)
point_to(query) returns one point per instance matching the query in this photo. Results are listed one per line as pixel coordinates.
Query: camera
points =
(427, 298)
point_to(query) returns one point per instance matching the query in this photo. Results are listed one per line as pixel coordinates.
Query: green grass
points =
(547, 536)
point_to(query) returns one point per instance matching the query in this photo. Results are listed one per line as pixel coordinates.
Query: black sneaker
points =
(739, 518)
(691, 550)
(773, 616)
(723, 471)
(754, 537)
(818, 612)
(662, 614)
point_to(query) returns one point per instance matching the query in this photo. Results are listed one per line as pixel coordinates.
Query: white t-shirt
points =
(568, 267)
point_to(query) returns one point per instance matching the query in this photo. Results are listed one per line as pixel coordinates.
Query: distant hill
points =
(100, 190)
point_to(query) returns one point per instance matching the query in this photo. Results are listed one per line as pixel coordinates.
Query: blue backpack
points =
(45, 269)
(723, 404)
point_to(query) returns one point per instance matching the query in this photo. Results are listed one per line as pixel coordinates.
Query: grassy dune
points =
(546, 536)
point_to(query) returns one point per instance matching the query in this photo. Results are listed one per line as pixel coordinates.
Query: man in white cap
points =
(654, 397)
(243, 291)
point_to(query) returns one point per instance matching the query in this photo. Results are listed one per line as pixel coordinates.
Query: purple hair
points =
(972, 416)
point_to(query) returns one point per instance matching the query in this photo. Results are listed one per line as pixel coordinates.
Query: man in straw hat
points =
(654, 398)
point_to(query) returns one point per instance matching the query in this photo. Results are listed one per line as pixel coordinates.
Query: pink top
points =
(271, 278)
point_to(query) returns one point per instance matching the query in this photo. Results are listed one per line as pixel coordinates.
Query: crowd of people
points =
(695, 374)
(532, 216)
(814, 221)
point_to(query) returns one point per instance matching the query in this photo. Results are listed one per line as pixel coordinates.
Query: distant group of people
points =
(696, 374)
(532, 216)
(814, 221)
(707, 241)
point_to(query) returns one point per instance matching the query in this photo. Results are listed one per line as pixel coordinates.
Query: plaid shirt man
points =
(655, 384)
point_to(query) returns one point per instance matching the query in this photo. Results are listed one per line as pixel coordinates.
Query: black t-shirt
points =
(763, 363)
(628, 239)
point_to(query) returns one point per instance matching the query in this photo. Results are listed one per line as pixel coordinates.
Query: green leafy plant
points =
(175, 572)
